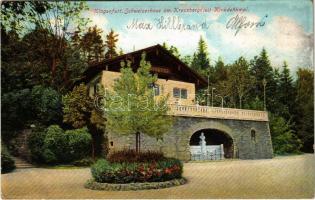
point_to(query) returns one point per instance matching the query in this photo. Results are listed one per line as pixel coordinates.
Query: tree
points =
(92, 44)
(46, 28)
(283, 138)
(131, 107)
(47, 105)
(172, 49)
(79, 111)
(77, 107)
(261, 69)
(111, 40)
(286, 91)
(14, 14)
(201, 61)
(220, 71)
(304, 112)
(187, 60)
(239, 80)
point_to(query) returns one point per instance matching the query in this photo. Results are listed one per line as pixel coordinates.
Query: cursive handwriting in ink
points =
(239, 22)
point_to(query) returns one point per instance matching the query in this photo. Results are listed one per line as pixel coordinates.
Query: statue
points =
(202, 143)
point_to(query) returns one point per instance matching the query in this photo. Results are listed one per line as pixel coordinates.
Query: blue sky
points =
(287, 33)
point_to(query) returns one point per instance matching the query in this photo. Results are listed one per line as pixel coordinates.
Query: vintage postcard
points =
(157, 99)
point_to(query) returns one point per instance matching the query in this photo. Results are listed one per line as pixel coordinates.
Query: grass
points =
(66, 167)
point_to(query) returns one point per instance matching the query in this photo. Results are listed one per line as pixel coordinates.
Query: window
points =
(180, 93)
(253, 135)
(183, 93)
(176, 92)
(156, 89)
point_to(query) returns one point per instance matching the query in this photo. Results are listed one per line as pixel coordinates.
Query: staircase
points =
(20, 163)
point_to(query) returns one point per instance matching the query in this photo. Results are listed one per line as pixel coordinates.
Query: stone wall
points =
(176, 142)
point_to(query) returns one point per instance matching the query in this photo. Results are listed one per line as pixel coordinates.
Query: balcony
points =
(217, 112)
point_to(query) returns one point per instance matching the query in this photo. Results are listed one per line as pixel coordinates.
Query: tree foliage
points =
(131, 107)
(201, 60)
(283, 138)
(92, 44)
(111, 40)
(77, 107)
(304, 114)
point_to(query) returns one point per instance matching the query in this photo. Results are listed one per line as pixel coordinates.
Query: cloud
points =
(214, 16)
(96, 19)
(185, 41)
(283, 38)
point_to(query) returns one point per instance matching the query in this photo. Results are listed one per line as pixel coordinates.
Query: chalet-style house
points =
(200, 132)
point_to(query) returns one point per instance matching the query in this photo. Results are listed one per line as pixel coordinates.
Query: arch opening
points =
(213, 140)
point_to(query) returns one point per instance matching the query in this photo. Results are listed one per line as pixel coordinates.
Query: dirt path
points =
(282, 177)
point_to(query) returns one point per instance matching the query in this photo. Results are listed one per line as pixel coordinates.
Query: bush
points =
(7, 163)
(46, 103)
(130, 155)
(84, 162)
(156, 171)
(36, 144)
(55, 145)
(79, 143)
(284, 140)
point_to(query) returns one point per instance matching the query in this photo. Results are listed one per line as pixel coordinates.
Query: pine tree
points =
(92, 44)
(286, 91)
(220, 71)
(187, 60)
(261, 69)
(304, 108)
(172, 49)
(111, 40)
(132, 102)
(201, 60)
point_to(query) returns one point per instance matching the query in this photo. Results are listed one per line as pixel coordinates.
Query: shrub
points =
(55, 145)
(79, 142)
(130, 155)
(284, 140)
(36, 144)
(46, 103)
(155, 171)
(84, 162)
(7, 163)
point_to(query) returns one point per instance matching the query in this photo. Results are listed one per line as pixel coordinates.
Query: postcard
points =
(157, 99)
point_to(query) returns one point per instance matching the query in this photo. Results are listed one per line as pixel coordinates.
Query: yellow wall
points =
(166, 87)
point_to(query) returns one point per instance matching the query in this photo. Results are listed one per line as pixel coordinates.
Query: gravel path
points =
(281, 177)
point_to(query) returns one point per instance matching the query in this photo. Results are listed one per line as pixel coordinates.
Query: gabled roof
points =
(159, 57)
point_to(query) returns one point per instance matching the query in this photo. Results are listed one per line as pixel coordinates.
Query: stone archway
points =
(215, 139)
(221, 128)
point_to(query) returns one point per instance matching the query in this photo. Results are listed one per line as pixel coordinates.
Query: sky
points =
(284, 28)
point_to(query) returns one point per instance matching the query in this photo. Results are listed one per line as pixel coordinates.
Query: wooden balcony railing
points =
(217, 112)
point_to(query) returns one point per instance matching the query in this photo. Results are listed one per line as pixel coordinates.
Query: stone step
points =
(20, 163)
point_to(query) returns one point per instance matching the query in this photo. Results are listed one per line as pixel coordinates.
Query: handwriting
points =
(239, 22)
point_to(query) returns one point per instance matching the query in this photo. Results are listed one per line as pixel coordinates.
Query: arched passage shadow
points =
(214, 137)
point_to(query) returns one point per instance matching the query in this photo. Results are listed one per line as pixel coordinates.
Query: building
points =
(225, 132)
